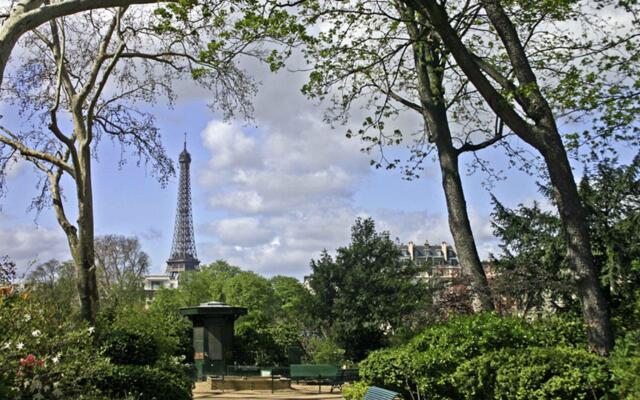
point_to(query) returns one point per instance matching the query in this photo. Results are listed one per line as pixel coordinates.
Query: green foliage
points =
(44, 357)
(232, 24)
(168, 332)
(205, 284)
(532, 373)
(54, 283)
(533, 268)
(295, 300)
(143, 382)
(366, 293)
(258, 342)
(354, 391)
(625, 366)
(426, 365)
(40, 357)
(250, 290)
(277, 309)
(130, 348)
(325, 351)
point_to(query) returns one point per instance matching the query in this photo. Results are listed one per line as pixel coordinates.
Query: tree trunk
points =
(459, 223)
(594, 304)
(545, 138)
(85, 259)
(434, 113)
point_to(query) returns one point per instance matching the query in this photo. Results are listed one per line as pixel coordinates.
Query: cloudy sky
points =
(268, 195)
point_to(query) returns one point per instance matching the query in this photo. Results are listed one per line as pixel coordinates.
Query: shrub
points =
(130, 348)
(143, 382)
(44, 358)
(426, 364)
(40, 358)
(254, 344)
(325, 351)
(355, 391)
(625, 367)
(390, 368)
(170, 332)
(532, 373)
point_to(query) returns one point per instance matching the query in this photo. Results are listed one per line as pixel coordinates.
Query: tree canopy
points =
(365, 294)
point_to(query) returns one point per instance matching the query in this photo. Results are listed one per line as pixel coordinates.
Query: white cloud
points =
(243, 231)
(230, 145)
(285, 189)
(27, 245)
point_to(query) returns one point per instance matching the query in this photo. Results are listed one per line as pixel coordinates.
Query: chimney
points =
(410, 248)
(445, 251)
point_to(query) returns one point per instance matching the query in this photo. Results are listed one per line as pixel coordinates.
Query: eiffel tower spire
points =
(183, 251)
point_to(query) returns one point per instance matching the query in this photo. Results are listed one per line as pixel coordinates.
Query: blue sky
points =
(267, 196)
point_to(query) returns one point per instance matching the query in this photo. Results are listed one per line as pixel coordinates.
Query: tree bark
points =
(434, 112)
(595, 309)
(85, 258)
(459, 223)
(545, 138)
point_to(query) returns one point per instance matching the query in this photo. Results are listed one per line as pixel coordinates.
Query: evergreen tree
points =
(364, 295)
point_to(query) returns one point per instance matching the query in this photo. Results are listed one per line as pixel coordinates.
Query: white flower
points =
(7, 345)
(91, 330)
(20, 346)
(35, 333)
(27, 317)
(55, 359)
(36, 384)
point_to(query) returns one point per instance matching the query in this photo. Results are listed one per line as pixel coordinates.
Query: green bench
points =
(343, 376)
(321, 373)
(376, 393)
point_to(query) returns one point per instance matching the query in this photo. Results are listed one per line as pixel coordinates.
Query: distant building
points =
(183, 255)
(441, 259)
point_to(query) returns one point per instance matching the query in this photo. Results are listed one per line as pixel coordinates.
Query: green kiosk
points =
(212, 336)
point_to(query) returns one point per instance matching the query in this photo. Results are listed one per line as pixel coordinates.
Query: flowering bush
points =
(44, 358)
(40, 358)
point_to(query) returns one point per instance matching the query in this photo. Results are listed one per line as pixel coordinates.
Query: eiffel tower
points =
(183, 251)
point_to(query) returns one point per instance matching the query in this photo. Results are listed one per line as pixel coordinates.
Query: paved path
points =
(297, 392)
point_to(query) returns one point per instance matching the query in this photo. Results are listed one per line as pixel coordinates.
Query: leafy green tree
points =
(294, 300)
(536, 74)
(533, 272)
(534, 266)
(325, 351)
(363, 295)
(207, 283)
(138, 54)
(396, 70)
(250, 290)
(260, 342)
(54, 283)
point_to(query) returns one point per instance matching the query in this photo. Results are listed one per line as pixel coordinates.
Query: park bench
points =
(343, 376)
(376, 393)
(320, 373)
